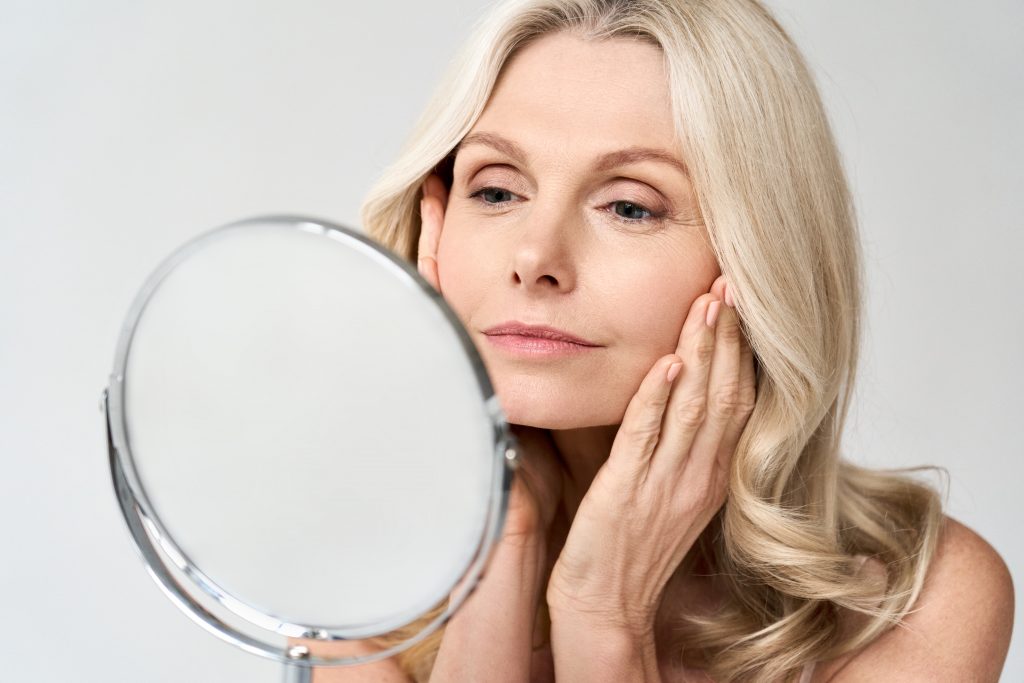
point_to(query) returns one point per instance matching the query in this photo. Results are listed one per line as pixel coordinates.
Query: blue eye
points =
(632, 211)
(625, 211)
(490, 192)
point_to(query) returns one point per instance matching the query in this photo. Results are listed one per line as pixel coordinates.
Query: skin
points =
(554, 250)
(536, 228)
(622, 468)
(552, 246)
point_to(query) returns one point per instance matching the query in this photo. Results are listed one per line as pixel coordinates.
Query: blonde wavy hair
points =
(771, 188)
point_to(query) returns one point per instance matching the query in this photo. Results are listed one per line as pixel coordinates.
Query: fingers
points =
(687, 405)
(432, 208)
(720, 289)
(747, 376)
(638, 435)
(711, 453)
(709, 408)
(745, 400)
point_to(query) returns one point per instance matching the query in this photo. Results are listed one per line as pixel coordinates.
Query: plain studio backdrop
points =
(127, 128)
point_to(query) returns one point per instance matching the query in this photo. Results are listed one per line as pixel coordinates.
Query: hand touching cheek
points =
(666, 477)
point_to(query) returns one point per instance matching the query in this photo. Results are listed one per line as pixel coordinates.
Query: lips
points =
(514, 327)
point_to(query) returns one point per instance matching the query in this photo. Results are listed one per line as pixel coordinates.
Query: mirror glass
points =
(306, 434)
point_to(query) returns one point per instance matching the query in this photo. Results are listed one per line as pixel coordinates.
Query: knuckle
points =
(643, 434)
(704, 351)
(654, 407)
(727, 400)
(641, 427)
(691, 412)
(747, 399)
(731, 334)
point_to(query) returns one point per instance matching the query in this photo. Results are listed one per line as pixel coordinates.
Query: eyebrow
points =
(605, 162)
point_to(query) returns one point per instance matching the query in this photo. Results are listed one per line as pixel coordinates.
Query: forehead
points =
(583, 95)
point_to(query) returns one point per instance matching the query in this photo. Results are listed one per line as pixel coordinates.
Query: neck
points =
(583, 451)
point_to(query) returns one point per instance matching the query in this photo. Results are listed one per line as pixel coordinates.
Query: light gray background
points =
(126, 128)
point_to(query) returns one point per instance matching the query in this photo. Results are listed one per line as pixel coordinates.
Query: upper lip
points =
(541, 331)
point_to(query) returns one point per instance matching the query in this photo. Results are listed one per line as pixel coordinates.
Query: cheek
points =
(650, 305)
(462, 270)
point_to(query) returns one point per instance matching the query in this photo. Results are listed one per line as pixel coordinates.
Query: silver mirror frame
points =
(224, 616)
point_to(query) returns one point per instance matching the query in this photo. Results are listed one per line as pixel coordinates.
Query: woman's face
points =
(570, 207)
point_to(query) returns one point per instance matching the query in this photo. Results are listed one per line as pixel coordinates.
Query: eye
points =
(631, 211)
(493, 195)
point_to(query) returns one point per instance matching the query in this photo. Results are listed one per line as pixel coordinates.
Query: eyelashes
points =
(649, 216)
(485, 190)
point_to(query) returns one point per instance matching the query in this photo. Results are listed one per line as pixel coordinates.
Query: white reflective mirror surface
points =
(305, 430)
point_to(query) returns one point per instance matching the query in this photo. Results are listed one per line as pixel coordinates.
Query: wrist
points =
(626, 635)
(589, 649)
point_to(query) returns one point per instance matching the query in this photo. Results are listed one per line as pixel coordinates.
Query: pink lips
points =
(536, 340)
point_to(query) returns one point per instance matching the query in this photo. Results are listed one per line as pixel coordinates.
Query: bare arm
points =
(490, 637)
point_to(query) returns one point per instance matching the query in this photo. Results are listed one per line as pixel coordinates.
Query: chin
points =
(552, 407)
(543, 419)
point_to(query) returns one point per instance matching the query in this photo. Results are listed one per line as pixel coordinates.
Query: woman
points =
(658, 180)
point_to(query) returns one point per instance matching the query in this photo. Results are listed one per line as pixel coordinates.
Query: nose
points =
(545, 250)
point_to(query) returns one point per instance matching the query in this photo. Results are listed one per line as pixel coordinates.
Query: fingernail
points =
(713, 313)
(673, 371)
(728, 298)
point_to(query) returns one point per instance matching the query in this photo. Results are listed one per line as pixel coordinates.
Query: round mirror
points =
(303, 439)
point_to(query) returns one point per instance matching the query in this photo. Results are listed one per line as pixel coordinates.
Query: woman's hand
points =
(666, 477)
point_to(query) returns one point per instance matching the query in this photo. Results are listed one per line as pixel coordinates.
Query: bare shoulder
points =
(958, 630)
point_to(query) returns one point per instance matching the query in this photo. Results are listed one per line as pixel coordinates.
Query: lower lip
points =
(536, 347)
